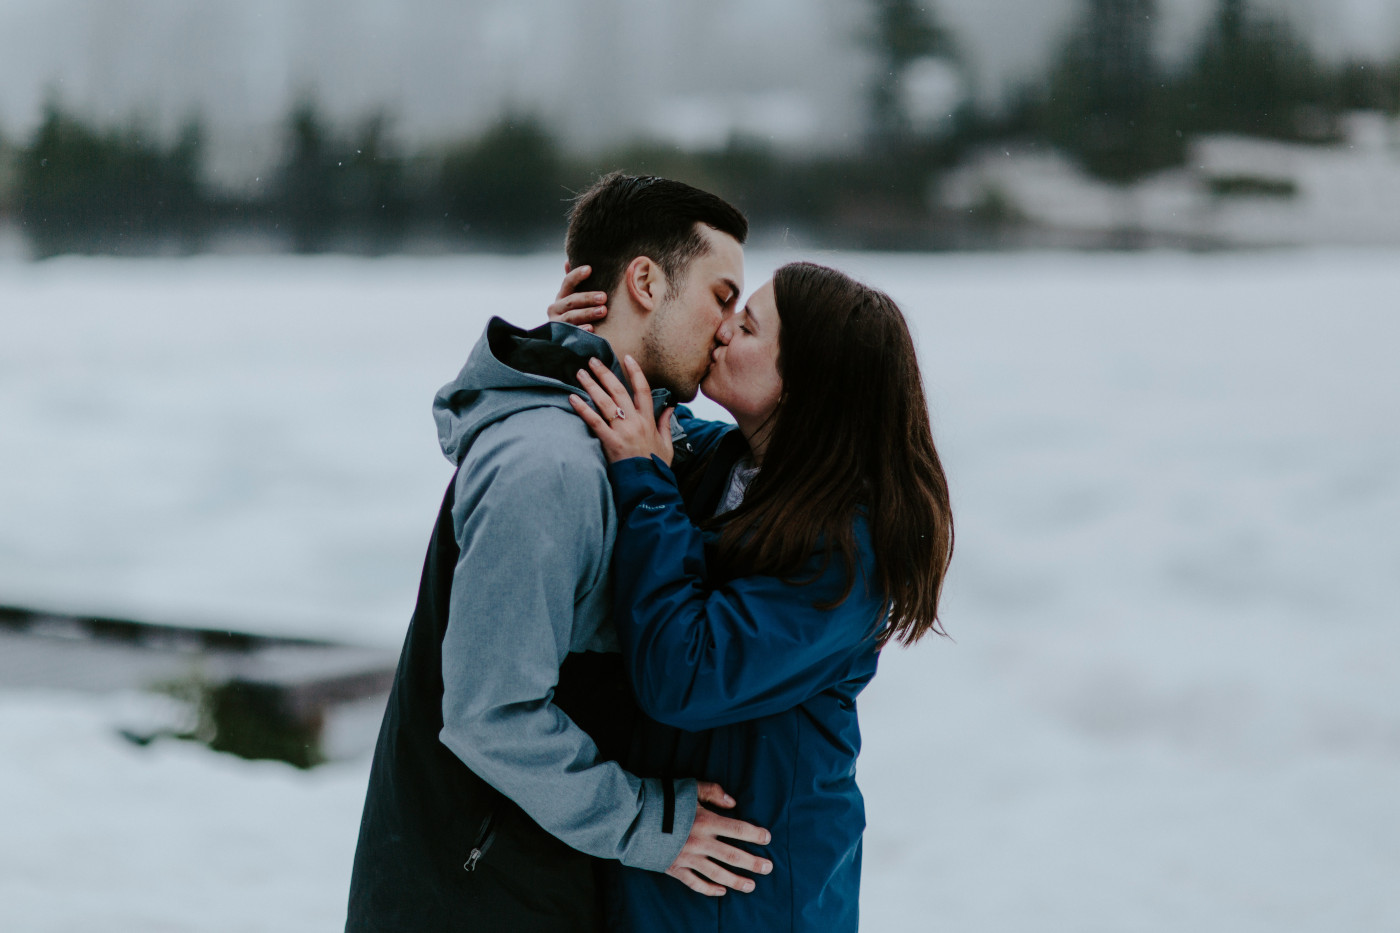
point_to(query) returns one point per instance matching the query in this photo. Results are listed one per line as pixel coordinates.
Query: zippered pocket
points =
(484, 837)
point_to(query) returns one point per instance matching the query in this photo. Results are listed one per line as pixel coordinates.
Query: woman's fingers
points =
(580, 303)
(579, 309)
(668, 447)
(576, 316)
(641, 391)
(601, 399)
(632, 431)
(595, 423)
(615, 388)
(579, 317)
(572, 279)
(586, 301)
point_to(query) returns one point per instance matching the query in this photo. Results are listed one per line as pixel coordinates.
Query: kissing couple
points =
(627, 696)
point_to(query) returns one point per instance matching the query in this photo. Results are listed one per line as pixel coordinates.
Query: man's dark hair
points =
(620, 217)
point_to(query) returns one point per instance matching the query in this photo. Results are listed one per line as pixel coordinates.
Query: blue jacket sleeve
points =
(702, 656)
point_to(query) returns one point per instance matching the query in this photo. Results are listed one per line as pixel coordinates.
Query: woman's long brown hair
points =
(851, 433)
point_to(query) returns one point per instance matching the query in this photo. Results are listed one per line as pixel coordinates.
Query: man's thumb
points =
(713, 794)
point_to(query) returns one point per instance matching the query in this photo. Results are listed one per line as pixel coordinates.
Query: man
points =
(495, 788)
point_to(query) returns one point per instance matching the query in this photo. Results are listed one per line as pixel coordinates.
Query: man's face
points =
(682, 331)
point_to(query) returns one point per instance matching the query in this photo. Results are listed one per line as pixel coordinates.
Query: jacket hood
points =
(511, 370)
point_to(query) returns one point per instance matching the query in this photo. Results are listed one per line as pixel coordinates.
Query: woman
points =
(752, 607)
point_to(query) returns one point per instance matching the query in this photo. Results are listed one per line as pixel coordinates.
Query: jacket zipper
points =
(484, 836)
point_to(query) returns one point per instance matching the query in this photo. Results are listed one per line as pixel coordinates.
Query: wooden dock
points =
(259, 696)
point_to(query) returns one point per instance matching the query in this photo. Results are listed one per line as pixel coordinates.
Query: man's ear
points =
(646, 283)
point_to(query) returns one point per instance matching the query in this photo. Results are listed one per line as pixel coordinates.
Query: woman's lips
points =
(710, 370)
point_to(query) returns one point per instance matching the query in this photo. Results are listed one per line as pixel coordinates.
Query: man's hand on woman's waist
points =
(701, 864)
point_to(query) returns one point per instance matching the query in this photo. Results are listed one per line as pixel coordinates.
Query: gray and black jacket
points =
(495, 783)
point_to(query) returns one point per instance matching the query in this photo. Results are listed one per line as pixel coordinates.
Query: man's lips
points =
(714, 361)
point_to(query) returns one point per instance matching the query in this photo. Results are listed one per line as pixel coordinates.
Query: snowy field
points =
(1347, 193)
(1172, 702)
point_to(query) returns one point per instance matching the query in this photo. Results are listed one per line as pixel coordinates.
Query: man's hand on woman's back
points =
(701, 865)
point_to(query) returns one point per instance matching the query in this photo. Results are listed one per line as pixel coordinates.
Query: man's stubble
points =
(667, 365)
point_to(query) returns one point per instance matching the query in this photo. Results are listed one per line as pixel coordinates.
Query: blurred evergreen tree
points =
(372, 188)
(304, 187)
(61, 171)
(8, 176)
(1107, 101)
(85, 191)
(186, 203)
(904, 32)
(774, 191)
(507, 188)
(1391, 88)
(1252, 74)
(883, 192)
(332, 192)
(1368, 86)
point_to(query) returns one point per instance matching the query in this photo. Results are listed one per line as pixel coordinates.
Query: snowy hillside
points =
(1302, 195)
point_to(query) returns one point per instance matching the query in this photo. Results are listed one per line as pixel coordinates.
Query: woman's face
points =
(743, 374)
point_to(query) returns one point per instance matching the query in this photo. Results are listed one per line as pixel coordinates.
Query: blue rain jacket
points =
(748, 684)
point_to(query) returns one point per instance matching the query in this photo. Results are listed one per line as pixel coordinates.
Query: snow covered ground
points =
(1171, 704)
(1344, 194)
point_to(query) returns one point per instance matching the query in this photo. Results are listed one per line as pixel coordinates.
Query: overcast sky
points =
(690, 70)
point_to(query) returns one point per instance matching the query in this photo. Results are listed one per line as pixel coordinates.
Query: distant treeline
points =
(80, 189)
(1107, 101)
(1123, 114)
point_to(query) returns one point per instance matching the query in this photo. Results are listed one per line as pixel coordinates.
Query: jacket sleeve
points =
(701, 657)
(531, 527)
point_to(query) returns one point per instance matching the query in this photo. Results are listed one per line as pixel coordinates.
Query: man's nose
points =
(725, 332)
